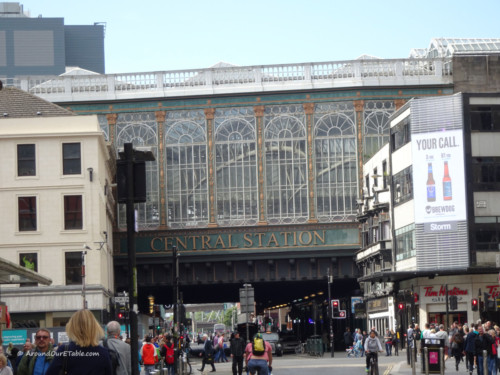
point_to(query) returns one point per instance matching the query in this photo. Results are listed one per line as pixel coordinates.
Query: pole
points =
(246, 314)
(447, 308)
(426, 360)
(175, 283)
(83, 281)
(330, 310)
(132, 268)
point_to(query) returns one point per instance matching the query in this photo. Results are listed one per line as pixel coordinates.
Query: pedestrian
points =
(222, 346)
(483, 341)
(457, 348)
(259, 359)
(208, 353)
(395, 342)
(388, 342)
(114, 342)
(37, 361)
(149, 355)
(469, 348)
(492, 357)
(82, 355)
(237, 346)
(348, 339)
(4, 369)
(168, 354)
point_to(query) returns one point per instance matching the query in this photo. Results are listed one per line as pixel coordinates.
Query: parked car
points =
(274, 339)
(290, 343)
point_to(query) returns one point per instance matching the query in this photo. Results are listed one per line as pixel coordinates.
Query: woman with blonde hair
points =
(83, 355)
(4, 369)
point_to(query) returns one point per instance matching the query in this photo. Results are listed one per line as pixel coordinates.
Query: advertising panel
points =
(438, 179)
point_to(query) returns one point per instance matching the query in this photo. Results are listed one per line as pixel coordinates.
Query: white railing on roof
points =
(248, 79)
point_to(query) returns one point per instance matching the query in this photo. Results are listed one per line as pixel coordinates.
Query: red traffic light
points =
(335, 303)
(401, 306)
(120, 315)
(474, 304)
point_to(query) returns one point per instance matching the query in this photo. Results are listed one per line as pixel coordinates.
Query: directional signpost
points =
(247, 303)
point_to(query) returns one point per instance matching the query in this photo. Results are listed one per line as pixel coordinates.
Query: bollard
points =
(485, 362)
(441, 361)
(413, 363)
(426, 360)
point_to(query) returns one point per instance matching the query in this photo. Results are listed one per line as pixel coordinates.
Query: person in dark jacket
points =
(470, 347)
(348, 339)
(237, 350)
(85, 356)
(483, 341)
(457, 348)
(208, 354)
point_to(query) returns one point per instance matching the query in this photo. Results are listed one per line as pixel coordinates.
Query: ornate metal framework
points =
(186, 169)
(376, 126)
(140, 129)
(285, 164)
(336, 161)
(236, 167)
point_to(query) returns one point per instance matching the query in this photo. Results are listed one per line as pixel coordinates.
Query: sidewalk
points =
(405, 369)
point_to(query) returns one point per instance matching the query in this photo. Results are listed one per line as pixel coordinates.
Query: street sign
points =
(121, 300)
(247, 300)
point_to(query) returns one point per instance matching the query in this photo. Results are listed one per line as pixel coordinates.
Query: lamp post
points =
(330, 309)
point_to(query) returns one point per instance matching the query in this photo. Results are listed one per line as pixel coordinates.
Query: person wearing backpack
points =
(168, 353)
(149, 355)
(119, 351)
(259, 356)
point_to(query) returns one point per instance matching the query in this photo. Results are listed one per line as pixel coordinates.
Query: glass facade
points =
(232, 166)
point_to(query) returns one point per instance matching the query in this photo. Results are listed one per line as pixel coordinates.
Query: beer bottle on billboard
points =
(447, 195)
(431, 185)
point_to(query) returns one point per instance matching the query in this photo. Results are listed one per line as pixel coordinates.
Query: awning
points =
(12, 273)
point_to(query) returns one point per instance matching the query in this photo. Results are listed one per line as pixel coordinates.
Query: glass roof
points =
(445, 47)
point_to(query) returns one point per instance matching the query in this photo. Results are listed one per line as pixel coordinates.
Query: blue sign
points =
(15, 336)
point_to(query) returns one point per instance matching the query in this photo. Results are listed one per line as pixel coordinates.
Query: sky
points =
(158, 35)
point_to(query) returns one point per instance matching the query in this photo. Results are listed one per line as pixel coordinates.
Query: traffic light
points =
(474, 304)
(335, 308)
(401, 307)
(120, 317)
(453, 302)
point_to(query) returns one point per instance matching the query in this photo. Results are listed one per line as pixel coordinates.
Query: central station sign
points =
(347, 238)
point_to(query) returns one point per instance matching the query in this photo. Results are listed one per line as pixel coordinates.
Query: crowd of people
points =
(476, 344)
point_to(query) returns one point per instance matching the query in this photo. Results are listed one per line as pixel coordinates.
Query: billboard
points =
(439, 179)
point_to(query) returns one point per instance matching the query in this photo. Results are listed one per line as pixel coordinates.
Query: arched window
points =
(186, 169)
(286, 165)
(376, 126)
(140, 129)
(236, 169)
(336, 167)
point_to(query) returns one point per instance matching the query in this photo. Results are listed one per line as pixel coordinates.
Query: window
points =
(384, 174)
(71, 158)
(29, 261)
(485, 118)
(487, 239)
(73, 267)
(375, 177)
(27, 213)
(26, 161)
(400, 134)
(486, 173)
(402, 186)
(73, 212)
(405, 242)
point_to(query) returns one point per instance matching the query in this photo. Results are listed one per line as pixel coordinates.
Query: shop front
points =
(431, 298)
(380, 312)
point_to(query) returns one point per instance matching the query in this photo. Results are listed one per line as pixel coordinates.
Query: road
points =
(305, 364)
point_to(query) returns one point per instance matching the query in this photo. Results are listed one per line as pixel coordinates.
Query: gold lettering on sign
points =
(273, 239)
(248, 240)
(260, 238)
(220, 242)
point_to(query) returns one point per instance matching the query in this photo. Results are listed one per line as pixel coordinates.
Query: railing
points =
(238, 79)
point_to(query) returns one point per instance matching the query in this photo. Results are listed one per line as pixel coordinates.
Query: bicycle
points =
(300, 349)
(373, 363)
